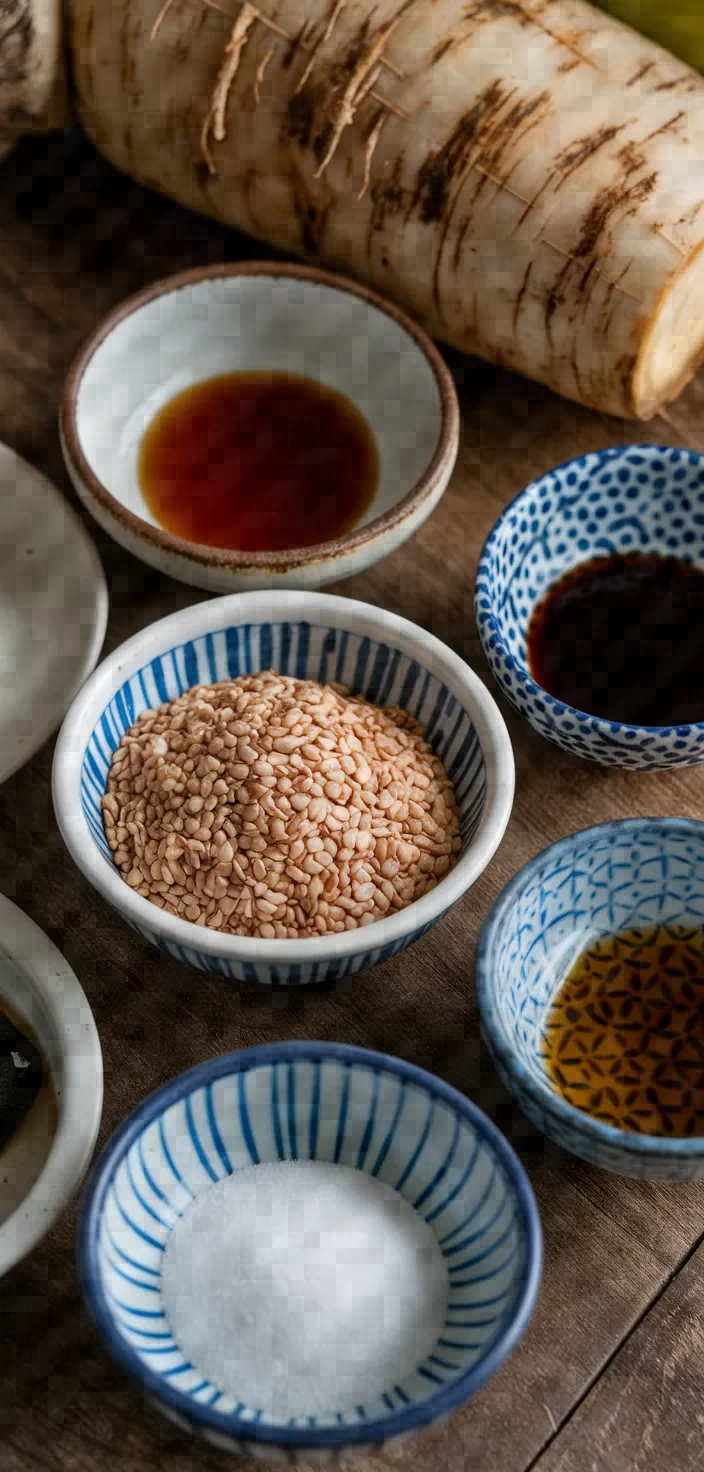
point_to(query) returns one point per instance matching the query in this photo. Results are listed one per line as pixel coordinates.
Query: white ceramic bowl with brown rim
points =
(252, 318)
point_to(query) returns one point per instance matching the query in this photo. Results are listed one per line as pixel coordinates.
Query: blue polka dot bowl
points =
(640, 498)
(641, 872)
(309, 635)
(342, 1105)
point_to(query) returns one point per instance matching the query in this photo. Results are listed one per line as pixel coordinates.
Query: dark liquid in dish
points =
(624, 1038)
(28, 1143)
(258, 462)
(21, 1075)
(623, 638)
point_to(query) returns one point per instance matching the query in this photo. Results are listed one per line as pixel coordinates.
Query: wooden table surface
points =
(610, 1375)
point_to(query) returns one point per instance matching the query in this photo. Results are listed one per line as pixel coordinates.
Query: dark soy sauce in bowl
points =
(622, 638)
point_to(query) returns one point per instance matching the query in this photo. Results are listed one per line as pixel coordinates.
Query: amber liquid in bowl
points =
(624, 1038)
(258, 462)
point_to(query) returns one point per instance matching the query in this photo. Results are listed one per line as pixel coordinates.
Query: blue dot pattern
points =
(635, 499)
(616, 877)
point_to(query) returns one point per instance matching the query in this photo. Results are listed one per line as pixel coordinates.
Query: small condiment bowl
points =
(316, 636)
(639, 498)
(343, 1105)
(42, 1166)
(245, 318)
(614, 878)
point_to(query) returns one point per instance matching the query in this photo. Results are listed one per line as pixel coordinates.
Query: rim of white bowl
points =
(44, 726)
(488, 623)
(499, 1039)
(80, 1091)
(289, 559)
(335, 612)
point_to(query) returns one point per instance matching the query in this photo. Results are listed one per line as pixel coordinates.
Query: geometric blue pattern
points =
(615, 877)
(380, 672)
(313, 1101)
(641, 498)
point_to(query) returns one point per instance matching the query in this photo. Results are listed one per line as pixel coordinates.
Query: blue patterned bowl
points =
(312, 1101)
(616, 877)
(385, 658)
(640, 498)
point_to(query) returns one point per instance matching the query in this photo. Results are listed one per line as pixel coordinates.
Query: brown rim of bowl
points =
(293, 557)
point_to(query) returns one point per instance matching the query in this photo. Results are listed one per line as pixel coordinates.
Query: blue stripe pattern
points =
(370, 668)
(333, 1109)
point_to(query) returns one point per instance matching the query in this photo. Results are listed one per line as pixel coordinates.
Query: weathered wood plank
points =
(646, 1413)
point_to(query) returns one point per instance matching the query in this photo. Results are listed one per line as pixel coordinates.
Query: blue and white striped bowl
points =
(312, 1101)
(635, 498)
(621, 876)
(385, 658)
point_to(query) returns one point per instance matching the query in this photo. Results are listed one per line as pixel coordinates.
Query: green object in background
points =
(676, 24)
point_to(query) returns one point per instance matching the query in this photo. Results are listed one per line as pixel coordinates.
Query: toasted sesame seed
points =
(276, 807)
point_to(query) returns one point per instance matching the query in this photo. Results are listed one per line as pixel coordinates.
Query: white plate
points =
(53, 609)
(40, 989)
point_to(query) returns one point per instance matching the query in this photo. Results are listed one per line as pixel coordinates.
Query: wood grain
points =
(75, 237)
(647, 1410)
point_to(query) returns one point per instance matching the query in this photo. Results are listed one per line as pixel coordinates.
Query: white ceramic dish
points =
(53, 609)
(226, 319)
(385, 658)
(40, 989)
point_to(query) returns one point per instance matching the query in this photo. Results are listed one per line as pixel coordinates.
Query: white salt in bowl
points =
(258, 317)
(314, 635)
(342, 1105)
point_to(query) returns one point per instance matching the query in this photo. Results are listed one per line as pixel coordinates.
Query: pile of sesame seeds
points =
(280, 808)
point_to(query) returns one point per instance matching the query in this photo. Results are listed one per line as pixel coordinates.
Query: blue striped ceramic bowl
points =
(386, 659)
(312, 1101)
(620, 876)
(635, 498)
